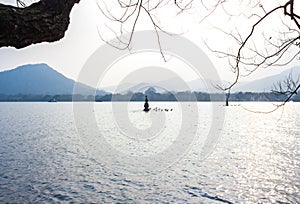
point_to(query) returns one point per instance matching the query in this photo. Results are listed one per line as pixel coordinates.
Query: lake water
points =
(49, 153)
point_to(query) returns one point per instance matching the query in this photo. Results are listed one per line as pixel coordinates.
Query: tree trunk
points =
(227, 99)
(44, 21)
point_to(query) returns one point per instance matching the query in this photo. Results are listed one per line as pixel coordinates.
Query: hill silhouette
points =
(39, 79)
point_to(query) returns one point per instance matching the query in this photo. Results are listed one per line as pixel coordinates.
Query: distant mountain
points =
(172, 84)
(39, 79)
(209, 85)
(266, 84)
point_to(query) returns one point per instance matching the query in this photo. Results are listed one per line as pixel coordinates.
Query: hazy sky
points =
(82, 38)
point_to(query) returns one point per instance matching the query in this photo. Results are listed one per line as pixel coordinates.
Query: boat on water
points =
(52, 100)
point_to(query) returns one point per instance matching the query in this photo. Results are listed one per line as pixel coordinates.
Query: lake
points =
(99, 153)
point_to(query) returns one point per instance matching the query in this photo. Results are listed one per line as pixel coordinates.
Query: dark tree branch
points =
(20, 3)
(130, 14)
(278, 51)
(44, 21)
(238, 56)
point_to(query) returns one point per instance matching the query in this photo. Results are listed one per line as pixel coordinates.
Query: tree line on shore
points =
(167, 96)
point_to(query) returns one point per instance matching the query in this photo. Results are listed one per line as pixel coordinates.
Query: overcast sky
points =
(82, 38)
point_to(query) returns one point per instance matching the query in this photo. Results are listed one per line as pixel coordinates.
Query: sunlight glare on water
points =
(256, 158)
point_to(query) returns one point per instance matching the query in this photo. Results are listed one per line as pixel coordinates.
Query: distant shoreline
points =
(153, 96)
(157, 97)
(143, 102)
